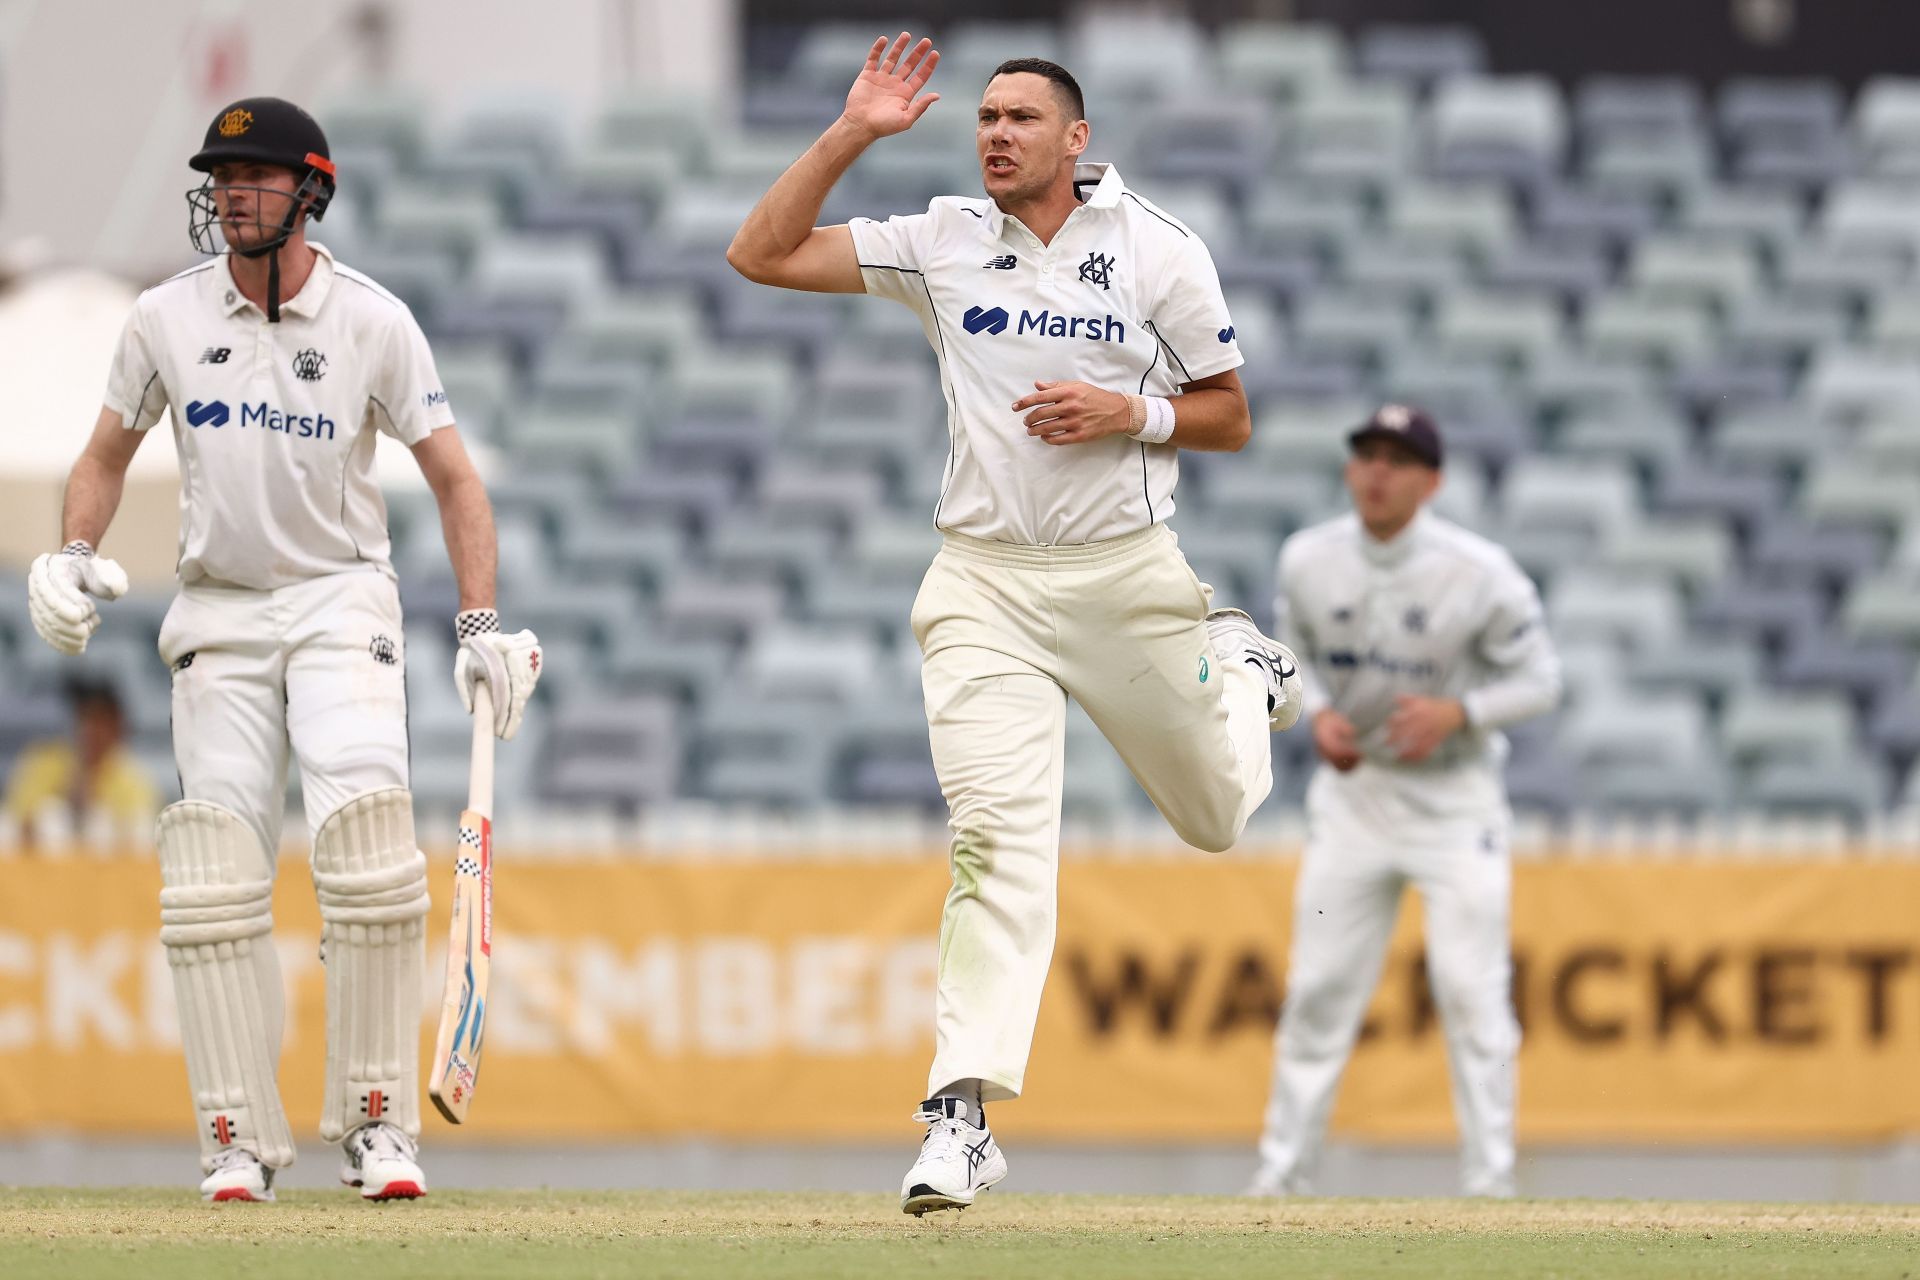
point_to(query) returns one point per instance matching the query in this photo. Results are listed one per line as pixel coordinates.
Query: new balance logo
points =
(987, 319)
(215, 355)
(1226, 334)
(210, 413)
(1005, 262)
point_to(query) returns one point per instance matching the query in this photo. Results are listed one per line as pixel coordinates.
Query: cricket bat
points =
(463, 1005)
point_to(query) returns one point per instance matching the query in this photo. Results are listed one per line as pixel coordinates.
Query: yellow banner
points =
(1704, 1000)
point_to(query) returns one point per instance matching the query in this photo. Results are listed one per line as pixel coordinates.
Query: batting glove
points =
(510, 665)
(60, 592)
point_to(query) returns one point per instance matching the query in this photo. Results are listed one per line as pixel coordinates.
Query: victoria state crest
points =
(236, 122)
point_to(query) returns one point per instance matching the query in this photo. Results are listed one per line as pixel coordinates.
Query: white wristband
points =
(1159, 425)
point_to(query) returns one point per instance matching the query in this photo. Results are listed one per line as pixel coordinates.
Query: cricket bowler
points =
(1083, 342)
(1419, 641)
(282, 368)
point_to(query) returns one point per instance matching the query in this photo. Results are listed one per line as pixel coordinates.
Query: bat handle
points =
(480, 770)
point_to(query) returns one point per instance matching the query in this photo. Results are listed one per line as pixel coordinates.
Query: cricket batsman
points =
(1420, 641)
(1083, 342)
(283, 368)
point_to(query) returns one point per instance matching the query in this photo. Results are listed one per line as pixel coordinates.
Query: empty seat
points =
(1638, 104)
(699, 603)
(1579, 214)
(1522, 113)
(1412, 270)
(1664, 329)
(1868, 671)
(1695, 552)
(1290, 60)
(1517, 327)
(1764, 217)
(1790, 327)
(1710, 665)
(1567, 378)
(1355, 323)
(1761, 610)
(1756, 107)
(1123, 56)
(623, 753)
(1634, 609)
(1887, 114)
(1872, 214)
(1794, 551)
(1420, 53)
(1664, 729)
(1646, 434)
(1884, 606)
(792, 662)
(1842, 491)
(1308, 434)
(1546, 491)
(1569, 271)
(1694, 267)
(1851, 788)
(1473, 217)
(1670, 165)
(1283, 214)
(1779, 725)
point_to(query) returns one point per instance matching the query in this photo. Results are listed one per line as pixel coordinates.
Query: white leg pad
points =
(372, 881)
(216, 922)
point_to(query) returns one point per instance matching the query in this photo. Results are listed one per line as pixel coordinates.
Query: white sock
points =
(966, 1092)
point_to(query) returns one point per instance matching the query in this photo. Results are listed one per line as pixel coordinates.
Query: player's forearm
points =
(790, 210)
(466, 520)
(93, 495)
(1521, 696)
(1213, 419)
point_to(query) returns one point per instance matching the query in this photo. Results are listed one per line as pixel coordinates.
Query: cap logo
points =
(1394, 417)
(235, 122)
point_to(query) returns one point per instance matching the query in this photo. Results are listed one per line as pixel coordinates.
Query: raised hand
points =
(882, 100)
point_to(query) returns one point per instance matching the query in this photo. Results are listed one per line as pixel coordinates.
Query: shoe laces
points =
(385, 1141)
(234, 1158)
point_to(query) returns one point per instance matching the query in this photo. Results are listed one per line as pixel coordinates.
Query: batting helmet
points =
(269, 131)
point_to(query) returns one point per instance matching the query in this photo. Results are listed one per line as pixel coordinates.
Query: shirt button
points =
(229, 297)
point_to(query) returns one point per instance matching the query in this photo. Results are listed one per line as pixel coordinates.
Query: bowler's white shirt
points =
(276, 424)
(1437, 611)
(1124, 298)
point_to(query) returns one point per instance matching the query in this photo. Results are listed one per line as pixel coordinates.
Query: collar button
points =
(229, 297)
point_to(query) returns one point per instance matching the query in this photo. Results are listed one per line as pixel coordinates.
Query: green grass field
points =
(161, 1235)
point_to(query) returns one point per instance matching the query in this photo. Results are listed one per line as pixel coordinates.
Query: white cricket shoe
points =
(238, 1175)
(957, 1161)
(1234, 635)
(383, 1162)
(1271, 1181)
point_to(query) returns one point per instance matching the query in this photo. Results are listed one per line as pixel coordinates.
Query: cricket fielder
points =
(1083, 341)
(282, 368)
(1420, 640)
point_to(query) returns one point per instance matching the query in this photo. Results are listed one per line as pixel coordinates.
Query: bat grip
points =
(480, 770)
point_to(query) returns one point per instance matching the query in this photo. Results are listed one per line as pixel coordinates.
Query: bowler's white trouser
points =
(1371, 832)
(318, 667)
(1007, 633)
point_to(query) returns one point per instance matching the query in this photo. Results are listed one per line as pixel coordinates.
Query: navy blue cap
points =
(1412, 429)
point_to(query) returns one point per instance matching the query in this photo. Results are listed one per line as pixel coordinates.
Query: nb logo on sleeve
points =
(211, 413)
(1226, 334)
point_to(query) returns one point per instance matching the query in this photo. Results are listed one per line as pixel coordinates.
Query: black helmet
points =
(266, 131)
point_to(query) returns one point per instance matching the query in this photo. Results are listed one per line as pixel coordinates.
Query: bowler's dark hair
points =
(1063, 82)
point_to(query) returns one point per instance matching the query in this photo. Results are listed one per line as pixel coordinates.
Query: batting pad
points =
(372, 881)
(216, 921)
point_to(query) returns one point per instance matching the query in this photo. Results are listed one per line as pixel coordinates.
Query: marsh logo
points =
(1045, 324)
(989, 319)
(209, 413)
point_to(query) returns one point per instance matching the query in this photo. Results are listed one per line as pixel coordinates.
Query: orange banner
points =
(1700, 1000)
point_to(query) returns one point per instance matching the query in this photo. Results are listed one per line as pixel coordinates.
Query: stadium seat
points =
(1308, 434)
(1289, 61)
(1693, 552)
(1420, 53)
(1851, 788)
(1841, 491)
(1666, 166)
(1287, 214)
(1872, 215)
(1649, 435)
(1516, 327)
(1122, 57)
(1711, 666)
(1750, 108)
(1568, 271)
(1569, 214)
(1792, 327)
(1356, 324)
(969, 51)
(1668, 730)
(1637, 610)
(1788, 549)
(1886, 115)
(1884, 606)
(1638, 105)
(1522, 113)
(1668, 330)
(1593, 496)
(1694, 268)
(1478, 218)
(621, 754)
(1766, 218)
(1412, 269)
(1773, 724)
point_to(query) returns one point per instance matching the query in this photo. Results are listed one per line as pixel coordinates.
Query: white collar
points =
(1107, 189)
(305, 303)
